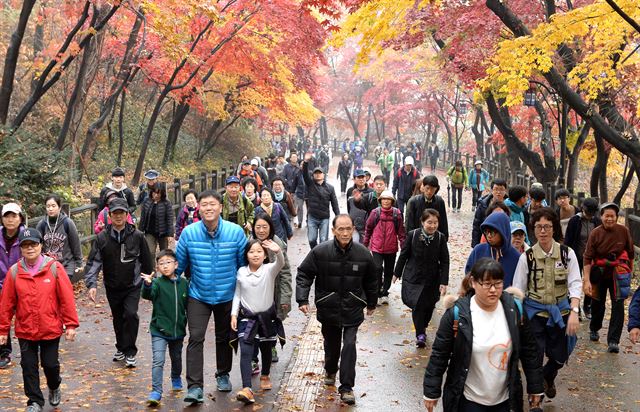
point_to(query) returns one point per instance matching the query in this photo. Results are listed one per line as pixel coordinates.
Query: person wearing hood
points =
(119, 186)
(256, 166)
(428, 199)
(60, 237)
(13, 223)
(497, 230)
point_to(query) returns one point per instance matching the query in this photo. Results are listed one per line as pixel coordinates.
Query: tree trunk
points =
(174, 130)
(478, 133)
(625, 185)
(38, 41)
(572, 171)
(352, 122)
(11, 59)
(121, 127)
(599, 171)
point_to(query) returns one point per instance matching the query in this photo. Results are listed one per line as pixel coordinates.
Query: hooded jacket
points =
(8, 257)
(169, 315)
(473, 179)
(124, 192)
(452, 354)
(517, 212)
(381, 236)
(61, 242)
(506, 254)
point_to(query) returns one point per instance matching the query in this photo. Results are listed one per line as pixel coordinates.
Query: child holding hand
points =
(253, 304)
(169, 294)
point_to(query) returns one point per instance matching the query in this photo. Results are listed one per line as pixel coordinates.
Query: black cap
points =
(30, 234)
(318, 170)
(118, 171)
(118, 204)
(609, 205)
(590, 205)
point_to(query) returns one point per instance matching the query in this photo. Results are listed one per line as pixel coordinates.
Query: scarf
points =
(425, 237)
(279, 196)
(268, 209)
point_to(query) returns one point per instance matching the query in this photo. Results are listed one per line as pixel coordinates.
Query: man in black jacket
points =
(121, 251)
(320, 195)
(498, 194)
(345, 284)
(429, 199)
(403, 181)
(120, 187)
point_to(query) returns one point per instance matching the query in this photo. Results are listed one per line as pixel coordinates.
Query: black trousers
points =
(343, 183)
(387, 176)
(124, 309)
(5, 350)
(551, 342)
(467, 406)
(198, 315)
(48, 356)
(457, 197)
(598, 308)
(476, 193)
(423, 311)
(334, 337)
(384, 266)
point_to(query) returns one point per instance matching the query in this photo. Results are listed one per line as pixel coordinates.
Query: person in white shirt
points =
(481, 340)
(253, 304)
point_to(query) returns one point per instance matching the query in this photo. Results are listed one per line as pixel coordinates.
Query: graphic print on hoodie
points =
(506, 254)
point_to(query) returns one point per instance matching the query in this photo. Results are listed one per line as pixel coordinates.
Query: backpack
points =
(456, 315)
(415, 173)
(14, 269)
(397, 216)
(564, 253)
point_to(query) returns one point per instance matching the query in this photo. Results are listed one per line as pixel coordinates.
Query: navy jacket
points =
(634, 311)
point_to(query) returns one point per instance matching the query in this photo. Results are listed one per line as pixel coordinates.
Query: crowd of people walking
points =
(532, 274)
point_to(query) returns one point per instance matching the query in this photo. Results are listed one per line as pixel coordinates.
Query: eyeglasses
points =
(165, 263)
(543, 228)
(490, 232)
(487, 285)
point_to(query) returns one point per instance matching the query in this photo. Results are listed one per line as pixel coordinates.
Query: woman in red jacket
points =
(383, 230)
(39, 293)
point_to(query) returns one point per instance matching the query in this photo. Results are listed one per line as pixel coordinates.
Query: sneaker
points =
(549, 389)
(613, 347)
(246, 396)
(154, 399)
(384, 300)
(130, 361)
(34, 407)
(255, 368)
(224, 384)
(594, 336)
(176, 384)
(5, 361)
(274, 355)
(194, 395)
(118, 356)
(330, 379)
(265, 383)
(421, 341)
(348, 397)
(55, 396)
(587, 312)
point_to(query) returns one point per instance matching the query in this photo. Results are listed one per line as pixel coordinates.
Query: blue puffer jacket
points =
(634, 311)
(213, 261)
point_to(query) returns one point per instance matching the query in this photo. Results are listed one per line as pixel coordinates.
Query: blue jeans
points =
(317, 227)
(159, 348)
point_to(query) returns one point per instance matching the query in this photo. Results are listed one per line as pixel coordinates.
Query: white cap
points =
(11, 207)
(478, 162)
(408, 160)
(254, 162)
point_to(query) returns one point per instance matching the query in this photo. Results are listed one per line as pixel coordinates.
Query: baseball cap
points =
(254, 162)
(318, 170)
(118, 171)
(246, 162)
(408, 160)
(358, 173)
(515, 226)
(11, 208)
(118, 204)
(29, 234)
(609, 205)
(232, 179)
(151, 174)
(478, 162)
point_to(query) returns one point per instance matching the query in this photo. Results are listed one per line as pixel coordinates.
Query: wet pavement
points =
(389, 368)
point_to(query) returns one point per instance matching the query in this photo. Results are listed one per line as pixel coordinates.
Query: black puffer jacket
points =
(319, 196)
(164, 226)
(417, 204)
(453, 355)
(345, 282)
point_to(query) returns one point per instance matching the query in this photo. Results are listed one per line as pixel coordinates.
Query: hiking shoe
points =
(348, 397)
(154, 399)
(130, 361)
(255, 368)
(421, 341)
(224, 384)
(118, 356)
(330, 379)
(274, 355)
(5, 361)
(55, 396)
(549, 389)
(176, 384)
(587, 312)
(613, 347)
(34, 407)
(265, 383)
(246, 396)
(594, 336)
(194, 395)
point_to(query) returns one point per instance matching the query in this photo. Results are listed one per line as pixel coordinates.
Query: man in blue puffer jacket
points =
(213, 251)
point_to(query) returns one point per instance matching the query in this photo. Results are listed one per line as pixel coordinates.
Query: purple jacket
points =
(8, 258)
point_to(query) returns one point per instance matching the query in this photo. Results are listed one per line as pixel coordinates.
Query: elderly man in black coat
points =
(345, 284)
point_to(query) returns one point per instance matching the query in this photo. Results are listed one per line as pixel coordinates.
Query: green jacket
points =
(385, 162)
(245, 211)
(458, 178)
(169, 316)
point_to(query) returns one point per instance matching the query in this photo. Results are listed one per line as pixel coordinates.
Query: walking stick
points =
(448, 194)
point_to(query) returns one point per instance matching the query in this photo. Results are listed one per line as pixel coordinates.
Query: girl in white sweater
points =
(253, 303)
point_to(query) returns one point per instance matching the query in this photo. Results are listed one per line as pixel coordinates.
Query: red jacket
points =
(42, 303)
(381, 236)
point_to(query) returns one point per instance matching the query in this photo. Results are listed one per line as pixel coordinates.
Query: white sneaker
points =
(384, 300)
